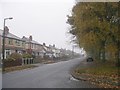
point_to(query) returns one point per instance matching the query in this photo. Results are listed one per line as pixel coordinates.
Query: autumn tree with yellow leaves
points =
(95, 26)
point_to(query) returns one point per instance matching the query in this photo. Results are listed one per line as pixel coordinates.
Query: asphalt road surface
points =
(56, 75)
(0, 79)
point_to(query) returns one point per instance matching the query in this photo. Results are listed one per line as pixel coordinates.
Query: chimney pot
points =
(44, 44)
(30, 37)
(23, 37)
(53, 45)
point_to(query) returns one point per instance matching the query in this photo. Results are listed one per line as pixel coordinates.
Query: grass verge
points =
(104, 75)
(48, 62)
(16, 68)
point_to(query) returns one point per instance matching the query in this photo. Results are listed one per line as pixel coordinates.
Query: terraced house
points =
(22, 45)
(56, 51)
(13, 43)
(33, 47)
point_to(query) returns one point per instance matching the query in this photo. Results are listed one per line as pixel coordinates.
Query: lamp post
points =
(3, 46)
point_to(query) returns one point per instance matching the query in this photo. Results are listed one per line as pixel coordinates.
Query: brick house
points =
(33, 47)
(22, 45)
(13, 43)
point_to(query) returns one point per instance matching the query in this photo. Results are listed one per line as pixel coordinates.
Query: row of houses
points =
(25, 44)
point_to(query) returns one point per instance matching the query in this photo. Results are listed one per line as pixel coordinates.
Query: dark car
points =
(89, 59)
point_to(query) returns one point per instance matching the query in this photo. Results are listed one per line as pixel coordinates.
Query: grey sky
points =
(45, 20)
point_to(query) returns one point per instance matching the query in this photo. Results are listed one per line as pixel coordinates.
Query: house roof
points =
(10, 35)
(28, 40)
(25, 39)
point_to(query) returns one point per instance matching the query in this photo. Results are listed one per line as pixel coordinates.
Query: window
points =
(10, 41)
(23, 43)
(32, 45)
(17, 42)
(8, 52)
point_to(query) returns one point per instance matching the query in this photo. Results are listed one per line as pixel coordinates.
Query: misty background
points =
(45, 20)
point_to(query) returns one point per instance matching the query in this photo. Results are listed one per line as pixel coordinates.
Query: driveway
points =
(56, 75)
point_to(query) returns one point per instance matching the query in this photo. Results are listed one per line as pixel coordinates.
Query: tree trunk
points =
(103, 52)
(99, 55)
(118, 54)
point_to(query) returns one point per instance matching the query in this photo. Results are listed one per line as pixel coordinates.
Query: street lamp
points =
(3, 46)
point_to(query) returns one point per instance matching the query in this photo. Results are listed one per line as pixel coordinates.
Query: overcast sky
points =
(45, 20)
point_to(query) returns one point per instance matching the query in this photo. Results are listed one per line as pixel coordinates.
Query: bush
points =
(10, 59)
(14, 56)
(26, 55)
(15, 59)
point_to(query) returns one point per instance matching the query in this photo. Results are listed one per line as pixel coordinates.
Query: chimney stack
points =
(44, 44)
(23, 37)
(53, 45)
(30, 38)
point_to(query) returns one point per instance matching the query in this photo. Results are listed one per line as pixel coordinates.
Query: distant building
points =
(48, 51)
(33, 47)
(56, 51)
(68, 53)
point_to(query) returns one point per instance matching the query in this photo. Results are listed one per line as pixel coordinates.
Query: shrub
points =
(26, 55)
(14, 56)
(15, 59)
(10, 59)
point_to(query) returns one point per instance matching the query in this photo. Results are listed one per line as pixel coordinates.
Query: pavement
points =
(54, 75)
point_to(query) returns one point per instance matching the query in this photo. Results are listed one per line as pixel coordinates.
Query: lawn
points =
(106, 75)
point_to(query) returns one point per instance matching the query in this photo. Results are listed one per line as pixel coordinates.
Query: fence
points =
(27, 61)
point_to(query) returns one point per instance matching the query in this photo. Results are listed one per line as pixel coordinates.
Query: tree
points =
(95, 26)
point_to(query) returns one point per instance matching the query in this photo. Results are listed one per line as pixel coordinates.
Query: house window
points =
(38, 53)
(23, 43)
(35, 46)
(32, 46)
(16, 51)
(7, 53)
(10, 41)
(17, 42)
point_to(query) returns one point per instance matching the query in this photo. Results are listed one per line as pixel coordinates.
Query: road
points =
(56, 75)
(0, 74)
(0, 79)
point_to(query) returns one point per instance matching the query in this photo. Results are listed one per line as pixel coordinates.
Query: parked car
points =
(89, 59)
